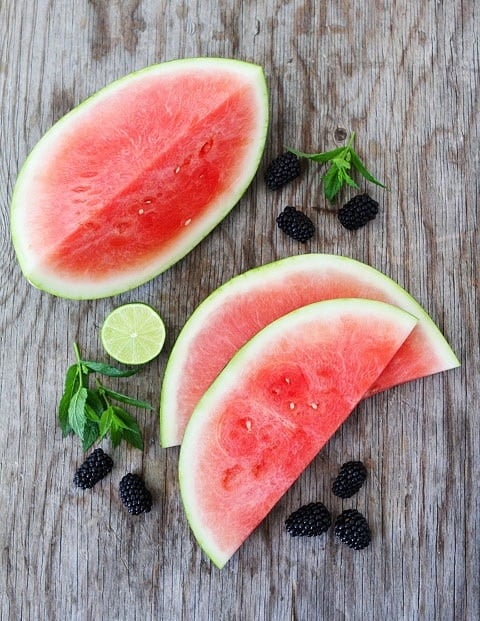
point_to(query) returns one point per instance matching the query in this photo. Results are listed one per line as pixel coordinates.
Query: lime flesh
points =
(133, 333)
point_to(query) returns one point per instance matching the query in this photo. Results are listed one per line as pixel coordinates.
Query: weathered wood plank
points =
(403, 76)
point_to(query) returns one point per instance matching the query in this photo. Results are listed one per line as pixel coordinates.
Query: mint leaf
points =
(127, 421)
(133, 437)
(87, 411)
(349, 181)
(341, 160)
(115, 435)
(105, 422)
(357, 162)
(125, 399)
(130, 430)
(90, 434)
(341, 163)
(95, 402)
(109, 370)
(124, 427)
(76, 411)
(318, 157)
(71, 386)
(91, 415)
(332, 182)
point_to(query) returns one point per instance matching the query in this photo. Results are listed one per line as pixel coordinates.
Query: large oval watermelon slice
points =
(236, 311)
(133, 178)
(273, 407)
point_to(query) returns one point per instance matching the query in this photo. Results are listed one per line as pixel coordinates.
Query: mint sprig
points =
(89, 413)
(341, 160)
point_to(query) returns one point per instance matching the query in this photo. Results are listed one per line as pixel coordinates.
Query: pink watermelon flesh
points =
(134, 177)
(272, 409)
(242, 307)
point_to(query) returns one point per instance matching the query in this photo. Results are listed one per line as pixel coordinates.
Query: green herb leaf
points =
(115, 435)
(332, 182)
(130, 429)
(71, 386)
(133, 437)
(341, 160)
(109, 370)
(90, 434)
(105, 422)
(87, 411)
(318, 157)
(125, 399)
(91, 415)
(95, 401)
(349, 181)
(357, 162)
(76, 411)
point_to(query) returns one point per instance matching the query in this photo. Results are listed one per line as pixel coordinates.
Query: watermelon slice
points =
(133, 178)
(236, 311)
(273, 407)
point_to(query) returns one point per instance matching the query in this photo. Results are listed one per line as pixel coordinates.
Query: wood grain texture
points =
(405, 77)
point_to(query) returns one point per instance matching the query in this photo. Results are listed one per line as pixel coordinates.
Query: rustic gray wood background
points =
(405, 77)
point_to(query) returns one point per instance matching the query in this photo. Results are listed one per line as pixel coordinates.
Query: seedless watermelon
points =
(273, 407)
(236, 311)
(133, 178)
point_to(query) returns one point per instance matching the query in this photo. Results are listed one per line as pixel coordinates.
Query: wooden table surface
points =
(405, 77)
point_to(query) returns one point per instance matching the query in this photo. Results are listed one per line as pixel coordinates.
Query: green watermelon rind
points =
(247, 356)
(172, 380)
(196, 231)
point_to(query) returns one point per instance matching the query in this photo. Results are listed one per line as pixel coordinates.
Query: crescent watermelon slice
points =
(132, 179)
(244, 305)
(273, 407)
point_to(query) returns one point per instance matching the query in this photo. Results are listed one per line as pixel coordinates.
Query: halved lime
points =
(133, 333)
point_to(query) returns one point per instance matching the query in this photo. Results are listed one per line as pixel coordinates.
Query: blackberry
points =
(282, 170)
(357, 212)
(352, 529)
(295, 224)
(135, 496)
(350, 479)
(97, 465)
(308, 521)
